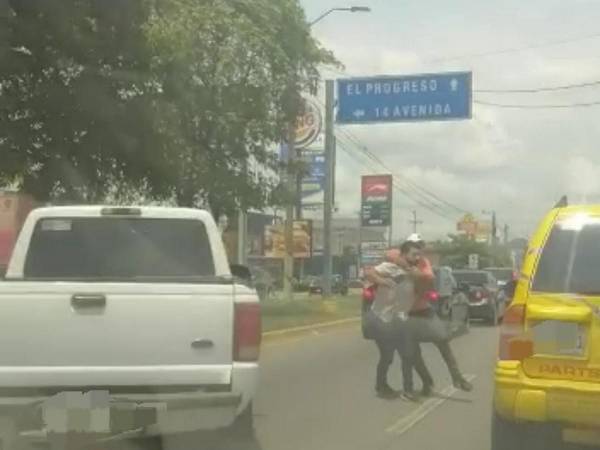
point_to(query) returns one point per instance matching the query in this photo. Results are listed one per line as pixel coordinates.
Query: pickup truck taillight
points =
(515, 345)
(247, 332)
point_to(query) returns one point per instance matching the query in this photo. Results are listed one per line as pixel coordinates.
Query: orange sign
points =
(308, 125)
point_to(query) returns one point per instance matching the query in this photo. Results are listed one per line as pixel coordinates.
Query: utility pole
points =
(328, 197)
(505, 237)
(288, 260)
(415, 222)
(494, 230)
(242, 257)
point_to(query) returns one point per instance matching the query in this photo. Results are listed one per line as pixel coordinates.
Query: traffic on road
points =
(299, 225)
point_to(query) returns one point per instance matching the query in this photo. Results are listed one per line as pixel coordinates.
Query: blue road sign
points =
(412, 98)
(314, 182)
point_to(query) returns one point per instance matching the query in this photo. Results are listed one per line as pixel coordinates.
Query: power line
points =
(538, 90)
(515, 49)
(422, 191)
(555, 106)
(403, 191)
(398, 187)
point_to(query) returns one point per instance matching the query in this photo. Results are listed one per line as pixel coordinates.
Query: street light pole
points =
(352, 9)
(328, 194)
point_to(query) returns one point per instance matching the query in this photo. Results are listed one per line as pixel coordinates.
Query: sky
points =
(517, 162)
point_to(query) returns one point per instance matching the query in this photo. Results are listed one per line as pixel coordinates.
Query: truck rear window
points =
(118, 248)
(569, 261)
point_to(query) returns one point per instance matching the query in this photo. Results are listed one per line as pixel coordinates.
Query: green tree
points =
(78, 99)
(232, 73)
(455, 252)
(162, 99)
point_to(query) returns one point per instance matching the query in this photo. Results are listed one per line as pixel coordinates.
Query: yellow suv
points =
(547, 378)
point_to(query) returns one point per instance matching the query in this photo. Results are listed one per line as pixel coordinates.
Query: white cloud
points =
(582, 178)
(517, 162)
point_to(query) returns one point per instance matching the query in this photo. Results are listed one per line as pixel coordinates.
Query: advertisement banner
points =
(376, 200)
(309, 124)
(372, 253)
(274, 240)
(479, 230)
(313, 183)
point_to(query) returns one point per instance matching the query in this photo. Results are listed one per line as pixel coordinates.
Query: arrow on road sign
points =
(454, 84)
(359, 113)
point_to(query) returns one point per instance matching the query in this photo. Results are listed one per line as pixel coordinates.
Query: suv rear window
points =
(569, 261)
(478, 278)
(118, 248)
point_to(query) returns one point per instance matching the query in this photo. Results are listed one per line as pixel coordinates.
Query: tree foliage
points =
(177, 99)
(455, 252)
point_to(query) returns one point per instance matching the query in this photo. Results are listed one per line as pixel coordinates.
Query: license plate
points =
(555, 337)
(83, 412)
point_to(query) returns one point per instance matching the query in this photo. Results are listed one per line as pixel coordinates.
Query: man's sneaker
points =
(427, 390)
(463, 385)
(410, 396)
(386, 392)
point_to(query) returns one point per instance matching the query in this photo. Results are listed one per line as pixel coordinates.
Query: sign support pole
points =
(328, 197)
(288, 260)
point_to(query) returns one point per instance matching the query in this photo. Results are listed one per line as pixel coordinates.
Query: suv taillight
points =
(515, 345)
(432, 296)
(247, 332)
(368, 293)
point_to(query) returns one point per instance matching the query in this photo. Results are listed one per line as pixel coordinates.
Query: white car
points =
(124, 322)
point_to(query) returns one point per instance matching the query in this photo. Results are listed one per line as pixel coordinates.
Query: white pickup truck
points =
(124, 321)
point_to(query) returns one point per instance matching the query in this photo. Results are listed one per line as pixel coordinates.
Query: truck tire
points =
(508, 435)
(243, 426)
(8, 434)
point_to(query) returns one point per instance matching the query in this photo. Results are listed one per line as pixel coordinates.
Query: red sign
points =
(376, 207)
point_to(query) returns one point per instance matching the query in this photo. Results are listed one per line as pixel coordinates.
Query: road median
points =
(302, 315)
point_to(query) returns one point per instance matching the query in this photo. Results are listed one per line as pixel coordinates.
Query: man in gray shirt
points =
(394, 299)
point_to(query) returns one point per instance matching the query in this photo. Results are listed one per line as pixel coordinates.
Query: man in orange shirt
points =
(426, 326)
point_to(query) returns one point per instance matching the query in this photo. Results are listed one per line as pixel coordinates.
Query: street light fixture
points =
(352, 9)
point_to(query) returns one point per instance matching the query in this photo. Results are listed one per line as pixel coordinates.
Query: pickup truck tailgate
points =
(70, 333)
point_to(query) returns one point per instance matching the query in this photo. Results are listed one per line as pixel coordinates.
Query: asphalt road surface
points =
(317, 393)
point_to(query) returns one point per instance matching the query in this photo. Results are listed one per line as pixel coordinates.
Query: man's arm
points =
(374, 277)
(423, 272)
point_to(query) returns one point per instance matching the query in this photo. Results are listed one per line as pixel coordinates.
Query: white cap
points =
(415, 237)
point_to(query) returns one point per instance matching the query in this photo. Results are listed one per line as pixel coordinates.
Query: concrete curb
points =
(272, 335)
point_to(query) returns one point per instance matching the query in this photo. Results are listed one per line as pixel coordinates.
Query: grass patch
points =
(281, 314)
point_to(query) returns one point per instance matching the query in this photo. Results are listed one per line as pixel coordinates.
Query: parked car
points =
(485, 299)
(451, 304)
(338, 285)
(547, 377)
(133, 312)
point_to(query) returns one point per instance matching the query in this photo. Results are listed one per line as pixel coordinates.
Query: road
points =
(317, 393)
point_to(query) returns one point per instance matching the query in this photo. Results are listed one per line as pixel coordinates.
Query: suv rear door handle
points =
(88, 300)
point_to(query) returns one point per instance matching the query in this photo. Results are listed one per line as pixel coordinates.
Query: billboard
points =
(309, 124)
(479, 230)
(313, 183)
(274, 240)
(376, 200)
(372, 253)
